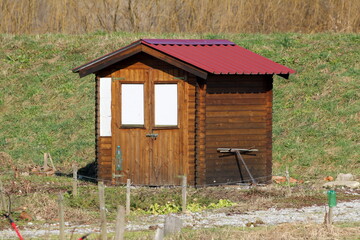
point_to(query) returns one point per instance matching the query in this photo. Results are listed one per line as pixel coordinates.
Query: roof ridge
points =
(190, 42)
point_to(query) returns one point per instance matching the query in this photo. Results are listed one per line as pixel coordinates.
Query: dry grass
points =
(283, 231)
(211, 16)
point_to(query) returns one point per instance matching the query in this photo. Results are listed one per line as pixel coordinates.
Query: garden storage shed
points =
(165, 106)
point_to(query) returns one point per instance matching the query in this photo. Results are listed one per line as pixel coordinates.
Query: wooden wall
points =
(238, 115)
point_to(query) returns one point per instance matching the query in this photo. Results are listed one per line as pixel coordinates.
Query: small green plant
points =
(195, 207)
(169, 207)
(172, 207)
(221, 204)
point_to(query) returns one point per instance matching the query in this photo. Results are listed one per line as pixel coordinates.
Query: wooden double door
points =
(148, 118)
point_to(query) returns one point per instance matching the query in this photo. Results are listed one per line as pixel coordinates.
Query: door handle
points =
(152, 135)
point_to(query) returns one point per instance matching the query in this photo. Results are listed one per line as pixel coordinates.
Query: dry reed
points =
(197, 16)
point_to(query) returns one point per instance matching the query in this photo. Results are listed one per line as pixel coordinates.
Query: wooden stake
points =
(288, 179)
(128, 184)
(51, 161)
(45, 167)
(326, 217)
(330, 215)
(120, 223)
(102, 211)
(4, 206)
(183, 191)
(74, 192)
(61, 216)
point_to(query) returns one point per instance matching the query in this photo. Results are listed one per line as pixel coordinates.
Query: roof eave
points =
(130, 50)
(108, 59)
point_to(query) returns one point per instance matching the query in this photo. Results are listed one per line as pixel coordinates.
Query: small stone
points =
(172, 225)
(24, 174)
(349, 184)
(345, 177)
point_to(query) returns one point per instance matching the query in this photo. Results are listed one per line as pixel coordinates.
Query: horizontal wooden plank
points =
(236, 96)
(236, 125)
(239, 119)
(235, 107)
(235, 113)
(104, 153)
(237, 90)
(238, 144)
(105, 146)
(104, 140)
(211, 132)
(242, 137)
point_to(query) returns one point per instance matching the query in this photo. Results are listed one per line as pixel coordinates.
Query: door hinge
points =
(152, 135)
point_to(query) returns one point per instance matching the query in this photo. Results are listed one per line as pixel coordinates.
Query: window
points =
(105, 107)
(132, 104)
(166, 105)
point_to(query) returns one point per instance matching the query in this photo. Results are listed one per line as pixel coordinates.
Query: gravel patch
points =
(343, 212)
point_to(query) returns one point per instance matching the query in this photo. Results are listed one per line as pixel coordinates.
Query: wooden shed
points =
(164, 108)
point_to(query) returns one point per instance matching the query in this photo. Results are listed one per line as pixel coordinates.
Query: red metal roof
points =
(217, 56)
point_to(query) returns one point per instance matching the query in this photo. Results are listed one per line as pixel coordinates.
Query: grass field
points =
(46, 108)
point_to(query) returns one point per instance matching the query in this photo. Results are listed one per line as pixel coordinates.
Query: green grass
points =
(46, 108)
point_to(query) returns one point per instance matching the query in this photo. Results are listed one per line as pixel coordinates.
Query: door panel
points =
(129, 132)
(147, 159)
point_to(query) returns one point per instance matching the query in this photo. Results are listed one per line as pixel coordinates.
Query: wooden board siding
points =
(191, 106)
(200, 170)
(238, 115)
(104, 158)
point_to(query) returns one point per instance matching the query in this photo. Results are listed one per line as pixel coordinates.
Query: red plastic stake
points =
(84, 237)
(13, 225)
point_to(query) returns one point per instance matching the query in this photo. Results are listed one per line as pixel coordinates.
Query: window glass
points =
(166, 105)
(132, 104)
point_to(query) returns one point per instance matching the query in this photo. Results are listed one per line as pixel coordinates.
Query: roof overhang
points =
(130, 50)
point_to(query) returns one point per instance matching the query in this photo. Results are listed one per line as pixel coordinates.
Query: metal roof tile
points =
(217, 56)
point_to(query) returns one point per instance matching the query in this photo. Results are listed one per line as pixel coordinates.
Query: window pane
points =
(105, 107)
(132, 104)
(166, 105)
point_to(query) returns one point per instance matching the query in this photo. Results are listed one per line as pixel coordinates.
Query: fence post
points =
(52, 163)
(120, 223)
(3, 200)
(102, 211)
(61, 216)
(183, 191)
(288, 180)
(46, 167)
(128, 184)
(74, 192)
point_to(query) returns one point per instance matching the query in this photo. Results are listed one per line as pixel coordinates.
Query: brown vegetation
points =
(211, 16)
